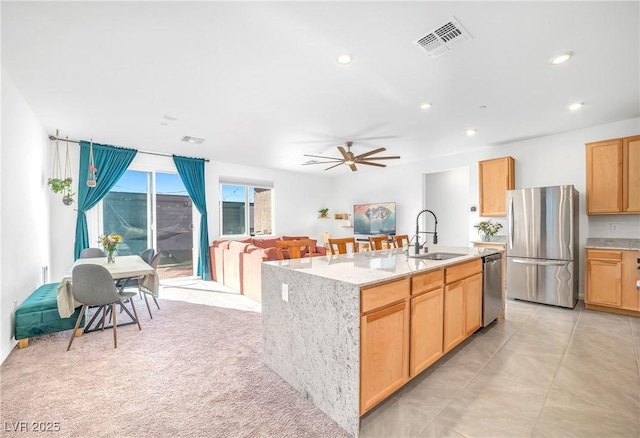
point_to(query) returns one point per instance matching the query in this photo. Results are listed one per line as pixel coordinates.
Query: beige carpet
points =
(194, 370)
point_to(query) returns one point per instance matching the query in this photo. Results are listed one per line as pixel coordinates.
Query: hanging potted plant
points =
(58, 184)
(62, 186)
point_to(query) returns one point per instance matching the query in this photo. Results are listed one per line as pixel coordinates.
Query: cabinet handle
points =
(386, 312)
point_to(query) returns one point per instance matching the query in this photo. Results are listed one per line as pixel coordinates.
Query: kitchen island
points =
(348, 330)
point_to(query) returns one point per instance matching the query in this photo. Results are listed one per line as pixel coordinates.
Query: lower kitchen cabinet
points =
(384, 347)
(462, 302)
(426, 330)
(611, 281)
(473, 304)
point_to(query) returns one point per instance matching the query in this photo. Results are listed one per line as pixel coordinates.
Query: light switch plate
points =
(285, 292)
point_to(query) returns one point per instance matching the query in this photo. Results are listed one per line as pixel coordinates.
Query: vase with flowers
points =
(110, 244)
(487, 229)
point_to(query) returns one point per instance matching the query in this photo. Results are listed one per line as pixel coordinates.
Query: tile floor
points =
(542, 372)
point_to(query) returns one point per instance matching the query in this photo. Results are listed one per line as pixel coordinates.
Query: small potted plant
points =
(324, 212)
(487, 229)
(63, 186)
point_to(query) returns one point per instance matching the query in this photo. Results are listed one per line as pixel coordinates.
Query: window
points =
(245, 209)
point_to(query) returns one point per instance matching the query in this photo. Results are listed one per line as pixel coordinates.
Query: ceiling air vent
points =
(192, 140)
(444, 38)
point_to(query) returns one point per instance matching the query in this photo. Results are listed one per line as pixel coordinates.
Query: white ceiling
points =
(260, 83)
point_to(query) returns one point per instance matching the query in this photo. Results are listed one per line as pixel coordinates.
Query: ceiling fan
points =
(350, 159)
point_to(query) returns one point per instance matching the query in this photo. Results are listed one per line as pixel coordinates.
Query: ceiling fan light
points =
(425, 105)
(349, 162)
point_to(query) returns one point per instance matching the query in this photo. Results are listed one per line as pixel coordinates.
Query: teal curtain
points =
(111, 163)
(191, 171)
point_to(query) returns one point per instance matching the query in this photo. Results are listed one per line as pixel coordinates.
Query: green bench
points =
(38, 315)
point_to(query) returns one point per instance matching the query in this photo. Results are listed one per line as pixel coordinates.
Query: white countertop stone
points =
(370, 267)
(610, 243)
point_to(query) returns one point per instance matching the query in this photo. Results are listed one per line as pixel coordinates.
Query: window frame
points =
(248, 185)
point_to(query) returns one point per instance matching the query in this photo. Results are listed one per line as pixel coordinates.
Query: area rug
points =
(193, 370)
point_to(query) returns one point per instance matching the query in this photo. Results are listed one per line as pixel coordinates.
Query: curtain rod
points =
(53, 137)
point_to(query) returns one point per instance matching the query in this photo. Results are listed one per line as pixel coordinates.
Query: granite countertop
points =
(370, 267)
(609, 243)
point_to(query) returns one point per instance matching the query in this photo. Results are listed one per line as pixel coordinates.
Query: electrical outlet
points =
(15, 304)
(285, 292)
(613, 228)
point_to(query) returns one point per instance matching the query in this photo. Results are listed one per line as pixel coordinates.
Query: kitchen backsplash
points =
(614, 226)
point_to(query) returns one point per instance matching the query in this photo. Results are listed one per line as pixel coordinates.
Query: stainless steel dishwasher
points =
(492, 288)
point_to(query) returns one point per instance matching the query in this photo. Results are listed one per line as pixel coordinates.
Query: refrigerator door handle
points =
(541, 262)
(510, 225)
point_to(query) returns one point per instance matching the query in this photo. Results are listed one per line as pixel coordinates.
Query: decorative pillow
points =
(266, 243)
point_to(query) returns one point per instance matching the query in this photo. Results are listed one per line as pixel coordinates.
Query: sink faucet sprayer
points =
(434, 232)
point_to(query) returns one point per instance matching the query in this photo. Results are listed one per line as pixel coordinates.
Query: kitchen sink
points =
(437, 256)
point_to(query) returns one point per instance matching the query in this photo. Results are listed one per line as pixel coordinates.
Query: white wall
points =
(24, 226)
(451, 206)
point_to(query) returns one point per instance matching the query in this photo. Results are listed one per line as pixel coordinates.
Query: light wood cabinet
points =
(631, 174)
(473, 304)
(613, 176)
(462, 302)
(384, 343)
(611, 281)
(496, 177)
(427, 304)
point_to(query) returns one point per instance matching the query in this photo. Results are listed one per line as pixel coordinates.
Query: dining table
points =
(124, 267)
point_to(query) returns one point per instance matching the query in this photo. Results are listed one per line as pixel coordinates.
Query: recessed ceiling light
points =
(575, 106)
(164, 123)
(168, 117)
(471, 131)
(559, 59)
(425, 105)
(344, 58)
(482, 107)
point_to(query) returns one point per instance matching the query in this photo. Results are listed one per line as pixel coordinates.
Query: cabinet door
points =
(631, 174)
(426, 330)
(603, 283)
(384, 354)
(630, 294)
(454, 316)
(604, 177)
(496, 177)
(473, 303)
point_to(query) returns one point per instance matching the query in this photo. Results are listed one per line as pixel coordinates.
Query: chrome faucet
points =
(434, 232)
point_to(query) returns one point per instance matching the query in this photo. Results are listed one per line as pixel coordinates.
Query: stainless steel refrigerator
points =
(542, 245)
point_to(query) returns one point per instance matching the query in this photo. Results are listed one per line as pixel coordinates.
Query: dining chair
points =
(147, 255)
(295, 247)
(400, 239)
(92, 285)
(143, 290)
(375, 242)
(340, 245)
(92, 253)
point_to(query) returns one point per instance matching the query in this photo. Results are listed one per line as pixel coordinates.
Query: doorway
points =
(152, 210)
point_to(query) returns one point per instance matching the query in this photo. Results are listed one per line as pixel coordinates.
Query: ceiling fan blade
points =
(324, 158)
(323, 162)
(335, 165)
(383, 158)
(343, 152)
(375, 151)
(368, 163)
(353, 167)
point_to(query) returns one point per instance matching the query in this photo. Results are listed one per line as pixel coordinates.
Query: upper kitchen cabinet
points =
(613, 176)
(496, 177)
